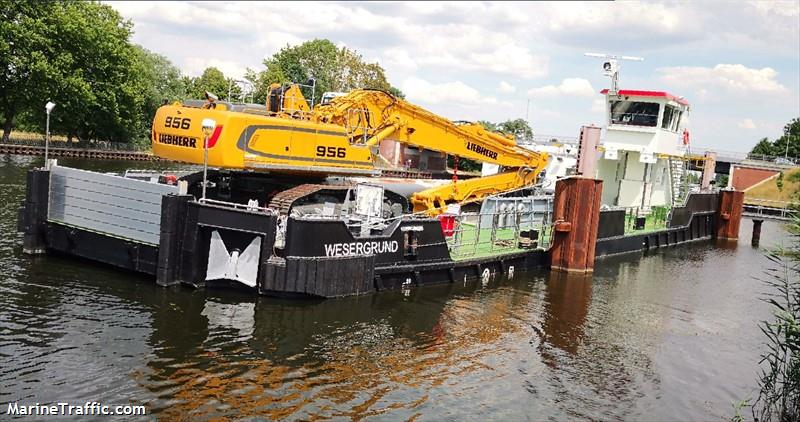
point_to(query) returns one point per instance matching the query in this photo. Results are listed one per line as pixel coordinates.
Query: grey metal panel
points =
(107, 203)
(536, 210)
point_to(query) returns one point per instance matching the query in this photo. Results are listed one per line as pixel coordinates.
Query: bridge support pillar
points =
(729, 214)
(576, 214)
(756, 232)
(709, 165)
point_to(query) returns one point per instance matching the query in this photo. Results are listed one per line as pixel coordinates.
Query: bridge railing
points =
(723, 155)
(770, 208)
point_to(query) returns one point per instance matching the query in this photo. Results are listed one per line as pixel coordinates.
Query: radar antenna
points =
(611, 67)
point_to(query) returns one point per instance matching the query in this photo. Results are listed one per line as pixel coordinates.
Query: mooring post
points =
(33, 214)
(729, 214)
(173, 212)
(576, 214)
(756, 232)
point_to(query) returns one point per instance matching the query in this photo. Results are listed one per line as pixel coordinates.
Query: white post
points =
(48, 108)
(208, 126)
(47, 139)
(205, 164)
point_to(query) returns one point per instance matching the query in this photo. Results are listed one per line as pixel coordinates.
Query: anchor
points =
(224, 265)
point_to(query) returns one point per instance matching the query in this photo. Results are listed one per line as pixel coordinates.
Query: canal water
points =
(669, 336)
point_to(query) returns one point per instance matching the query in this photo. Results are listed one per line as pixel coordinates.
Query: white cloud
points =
(457, 92)
(574, 87)
(451, 54)
(732, 78)
(747, 124)
(506, 88)
(195, 65)
(598, 106)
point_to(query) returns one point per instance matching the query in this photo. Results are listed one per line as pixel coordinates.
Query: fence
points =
(36, 140)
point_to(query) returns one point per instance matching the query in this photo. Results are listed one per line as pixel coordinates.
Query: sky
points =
(737, 63)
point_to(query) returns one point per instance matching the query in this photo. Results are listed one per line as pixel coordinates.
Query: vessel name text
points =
(360, 248)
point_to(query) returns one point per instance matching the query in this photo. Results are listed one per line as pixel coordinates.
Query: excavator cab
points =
(286, 98)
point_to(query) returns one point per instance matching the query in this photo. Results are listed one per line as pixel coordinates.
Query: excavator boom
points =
(373, 116)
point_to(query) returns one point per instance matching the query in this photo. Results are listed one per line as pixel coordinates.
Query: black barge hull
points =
(320, 258)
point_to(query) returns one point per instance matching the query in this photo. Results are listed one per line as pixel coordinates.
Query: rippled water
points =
(671, 335)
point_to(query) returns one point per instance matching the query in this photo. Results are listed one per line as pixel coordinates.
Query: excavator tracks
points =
(284, 200)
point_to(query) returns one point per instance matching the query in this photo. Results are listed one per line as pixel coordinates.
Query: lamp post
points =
(208, 127)
(786, 154)
(48, 108)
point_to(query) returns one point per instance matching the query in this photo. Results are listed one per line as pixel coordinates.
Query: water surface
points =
(668, 336)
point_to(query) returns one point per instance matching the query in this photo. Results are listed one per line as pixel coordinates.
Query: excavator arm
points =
(371, 116)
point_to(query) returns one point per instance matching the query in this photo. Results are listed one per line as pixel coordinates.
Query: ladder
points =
(677, 174)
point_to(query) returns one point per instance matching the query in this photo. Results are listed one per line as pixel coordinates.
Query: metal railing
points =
(475, 234)
(770, 208)
(253, 206)
(655, 218)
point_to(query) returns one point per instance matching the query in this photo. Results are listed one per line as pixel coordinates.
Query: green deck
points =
(472, 244)
(654, 221)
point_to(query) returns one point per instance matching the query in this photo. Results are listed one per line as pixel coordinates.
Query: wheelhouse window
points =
(634, 113)
(672, 118)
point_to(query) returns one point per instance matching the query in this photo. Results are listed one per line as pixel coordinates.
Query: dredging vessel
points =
(291, 205)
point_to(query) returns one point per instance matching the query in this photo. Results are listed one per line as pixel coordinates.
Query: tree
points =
(791, 136)
(213, 81)
(332, 69)
(397, 92)
(26, 48)
(517, 127)
(77, 54)
(778, 148)
(492, 127)
(156, 80)
(764, 147)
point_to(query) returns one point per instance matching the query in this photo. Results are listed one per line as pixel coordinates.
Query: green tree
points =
(778, 148)
(790, 137)
(78, 55)
(26, 51)
(332, 69)
(213, 81)
(397, 92)
(517, 127)
(488, 125)
(156, 80)
(764, 147)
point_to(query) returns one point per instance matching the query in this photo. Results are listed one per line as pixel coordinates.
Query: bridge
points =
(764, 209)
(726, 159)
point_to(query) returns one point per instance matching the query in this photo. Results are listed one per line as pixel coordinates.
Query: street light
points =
(48, 108)
(208, 127)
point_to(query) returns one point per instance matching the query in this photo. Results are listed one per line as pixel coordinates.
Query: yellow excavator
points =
(340, 137)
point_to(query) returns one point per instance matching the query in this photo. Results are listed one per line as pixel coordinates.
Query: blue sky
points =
(738, 63)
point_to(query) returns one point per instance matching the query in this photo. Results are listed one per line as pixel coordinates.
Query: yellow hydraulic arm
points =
(340, 137)
(371, 116)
